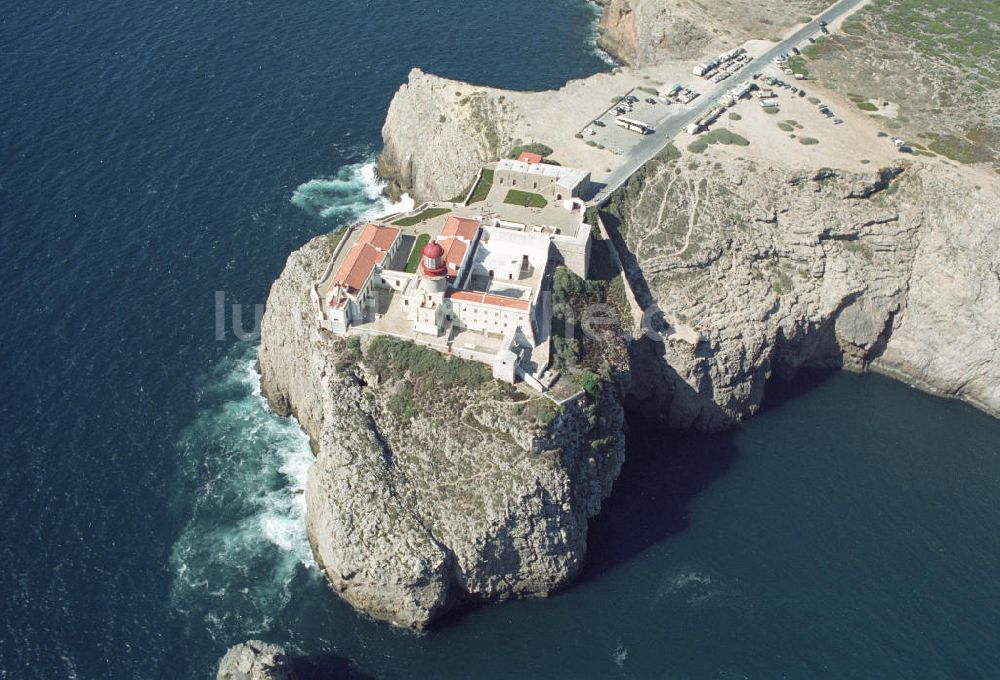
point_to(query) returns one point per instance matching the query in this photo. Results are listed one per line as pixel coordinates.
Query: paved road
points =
(651, 145)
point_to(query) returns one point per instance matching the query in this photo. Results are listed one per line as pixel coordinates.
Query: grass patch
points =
(717, 136)
(534, 147)
(866, 106)
(812, 100)
(808, 141)
(482, 187)
(798, 65)
(525, 198)
(414, 259)
(785, 126)
(427, 373)
(735, 116)
(771, 109)
(961, 150)
(649, 90)
(422, 216)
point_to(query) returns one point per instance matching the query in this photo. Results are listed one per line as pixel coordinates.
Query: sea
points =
(158, 162)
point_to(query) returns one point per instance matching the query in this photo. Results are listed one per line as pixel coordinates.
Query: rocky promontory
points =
(433, 485)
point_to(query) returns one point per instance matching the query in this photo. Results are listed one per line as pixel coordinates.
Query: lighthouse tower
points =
(432, 268)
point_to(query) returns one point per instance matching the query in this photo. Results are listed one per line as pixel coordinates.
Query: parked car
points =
(650, 100)
(822, 23)
(599, 123)
(837, 121)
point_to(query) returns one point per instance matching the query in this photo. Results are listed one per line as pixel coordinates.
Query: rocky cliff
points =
(778, 268)
(433, 484)
(433, 118)
(640, 32)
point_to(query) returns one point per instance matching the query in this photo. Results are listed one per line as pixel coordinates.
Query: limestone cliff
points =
(433, 484)
(640, 32)
(439, 132)
(779, 267)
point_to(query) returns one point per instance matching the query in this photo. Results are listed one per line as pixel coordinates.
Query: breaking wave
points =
(354, 193)
(593, 38)
(244, 471)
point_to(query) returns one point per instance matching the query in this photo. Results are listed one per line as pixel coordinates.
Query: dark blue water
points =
(155, 153)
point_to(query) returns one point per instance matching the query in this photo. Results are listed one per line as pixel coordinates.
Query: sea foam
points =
(354, 193)
(243, 469)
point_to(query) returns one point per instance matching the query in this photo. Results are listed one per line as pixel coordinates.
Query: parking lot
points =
(641, 106)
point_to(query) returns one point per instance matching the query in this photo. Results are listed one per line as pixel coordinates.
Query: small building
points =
(552, 181)
(350, 296)
(530, 158)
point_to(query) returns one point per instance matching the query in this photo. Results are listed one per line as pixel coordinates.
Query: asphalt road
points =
(651, 145)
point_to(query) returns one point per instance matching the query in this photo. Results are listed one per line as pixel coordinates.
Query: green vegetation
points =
(422, 216)
(771, 109)
(414, 259)
(798, 65)
(525, 198)
(717, 136)
(668, 153)
(786, 127)
(808, 141)
(805, 19)
(482, 187)
(866, 106)
(534, 147)
(961, 150)
(735, 116)
(812, 100)
(396, 359)
(649, 90)
(573, 300)
(590, 383)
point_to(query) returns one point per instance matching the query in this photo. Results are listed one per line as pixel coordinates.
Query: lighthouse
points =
(432, 267)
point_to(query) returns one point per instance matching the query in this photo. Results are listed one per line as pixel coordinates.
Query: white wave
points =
(595, 34)
(244, 472)
(353, 194)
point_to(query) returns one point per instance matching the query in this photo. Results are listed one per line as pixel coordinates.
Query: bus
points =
(634, 125)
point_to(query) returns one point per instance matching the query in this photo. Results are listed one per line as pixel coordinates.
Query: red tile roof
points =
(487, 299)
(369, 250)
(461, 227)
(454, 252)
(528, 157)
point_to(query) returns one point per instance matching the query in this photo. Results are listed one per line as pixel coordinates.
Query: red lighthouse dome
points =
(432, 259)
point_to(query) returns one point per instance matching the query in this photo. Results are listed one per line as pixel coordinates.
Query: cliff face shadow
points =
(664, 470)
(781, 390)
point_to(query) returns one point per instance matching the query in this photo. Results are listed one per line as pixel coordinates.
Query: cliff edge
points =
(433, 484)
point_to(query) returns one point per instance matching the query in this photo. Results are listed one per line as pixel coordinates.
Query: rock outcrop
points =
(433, 484)
(640, 32)
(433, 118)
(255, 660)
(780, 268)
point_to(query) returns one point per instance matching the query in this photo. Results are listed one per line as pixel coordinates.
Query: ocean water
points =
(156, 154)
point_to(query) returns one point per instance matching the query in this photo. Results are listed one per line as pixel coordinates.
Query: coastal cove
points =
(153, 504)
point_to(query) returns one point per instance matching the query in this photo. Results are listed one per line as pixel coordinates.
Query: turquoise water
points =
(150, 506)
